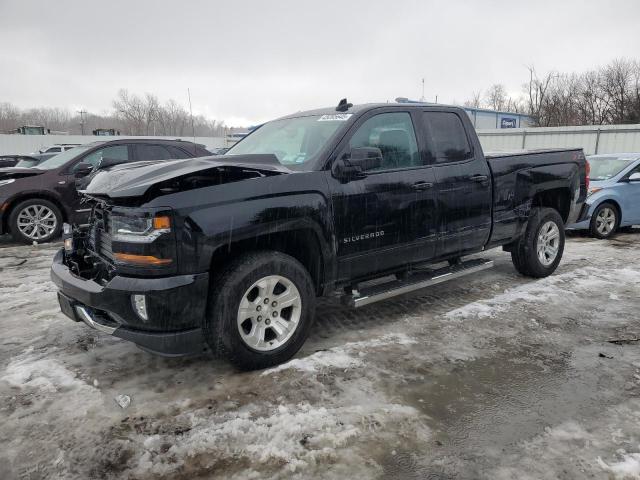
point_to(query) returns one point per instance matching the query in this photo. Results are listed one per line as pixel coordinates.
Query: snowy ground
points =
(495, 376)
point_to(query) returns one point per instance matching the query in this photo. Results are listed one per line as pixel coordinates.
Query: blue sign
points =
(508, 122)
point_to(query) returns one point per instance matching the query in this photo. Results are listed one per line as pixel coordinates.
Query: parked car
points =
(233, 250)
(614, 195)
(7, 161)
(218, 150)
(59, 147)
(34, 202)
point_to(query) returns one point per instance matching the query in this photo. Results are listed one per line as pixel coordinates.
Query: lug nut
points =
(274, 314)
(274, 304)
(259, 307)
(267, 321)
(259, 318)
(266, 301)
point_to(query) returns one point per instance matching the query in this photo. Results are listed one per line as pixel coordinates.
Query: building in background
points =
(486, 119)
(482, 118)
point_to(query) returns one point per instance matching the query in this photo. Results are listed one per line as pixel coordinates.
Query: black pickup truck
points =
(231, 251)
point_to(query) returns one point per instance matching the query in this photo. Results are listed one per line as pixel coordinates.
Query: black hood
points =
(135, 179)
(15, 172)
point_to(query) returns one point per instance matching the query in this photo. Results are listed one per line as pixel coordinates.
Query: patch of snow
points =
(342, 357)
(298, 436)
(47, 375)
(629, 467)
(548, 289)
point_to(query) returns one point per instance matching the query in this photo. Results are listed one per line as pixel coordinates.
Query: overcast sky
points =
(250, 61)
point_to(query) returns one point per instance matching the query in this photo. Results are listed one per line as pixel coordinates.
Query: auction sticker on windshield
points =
(336, 117)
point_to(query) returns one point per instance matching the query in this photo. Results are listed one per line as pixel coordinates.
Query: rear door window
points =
(177, 152)
(152, 152)
(447, 138)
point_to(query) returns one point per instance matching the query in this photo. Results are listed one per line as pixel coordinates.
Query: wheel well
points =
(303, 245)
(14, 202)
(615, 204)
(557, 198)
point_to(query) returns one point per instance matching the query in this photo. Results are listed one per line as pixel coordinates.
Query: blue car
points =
(614, 194)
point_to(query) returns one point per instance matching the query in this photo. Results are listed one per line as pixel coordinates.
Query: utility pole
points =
(82, 112)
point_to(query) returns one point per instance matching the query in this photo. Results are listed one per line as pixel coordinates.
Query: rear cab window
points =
(447, 139)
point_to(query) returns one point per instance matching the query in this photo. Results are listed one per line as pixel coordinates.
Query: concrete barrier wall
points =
(23, 144)
(603, 139)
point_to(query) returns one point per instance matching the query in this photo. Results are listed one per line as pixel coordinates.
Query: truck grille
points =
(99, 239)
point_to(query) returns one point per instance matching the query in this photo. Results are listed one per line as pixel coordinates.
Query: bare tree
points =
(475, 100)
(151, 108)
(9, 117)
(130, 109)
(496, 97)
(537, 95)
(617, 83)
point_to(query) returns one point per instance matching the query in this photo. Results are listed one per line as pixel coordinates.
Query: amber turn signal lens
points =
(141, 259)
(161, 223)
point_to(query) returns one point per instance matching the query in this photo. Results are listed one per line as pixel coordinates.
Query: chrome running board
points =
(415, 281)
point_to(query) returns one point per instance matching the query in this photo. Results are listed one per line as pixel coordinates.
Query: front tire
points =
(35, 220)
(260, 310)
(539, 251)
(604, 221)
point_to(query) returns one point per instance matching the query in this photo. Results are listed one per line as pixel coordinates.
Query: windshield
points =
(62, 158)
(294, 141)
(27, 163)
(604, 168)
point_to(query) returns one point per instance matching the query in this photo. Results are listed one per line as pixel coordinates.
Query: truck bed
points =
(519, 175)
(513, 153)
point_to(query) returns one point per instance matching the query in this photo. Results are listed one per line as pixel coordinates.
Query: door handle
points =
(422, 185)
(479, 178)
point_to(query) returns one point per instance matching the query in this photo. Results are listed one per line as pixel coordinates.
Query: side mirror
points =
(635, 177)
(83, 169)
(354, 164)
(110, 162)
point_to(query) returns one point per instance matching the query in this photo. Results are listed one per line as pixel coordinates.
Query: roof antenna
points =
(343, 106)
(193, 128)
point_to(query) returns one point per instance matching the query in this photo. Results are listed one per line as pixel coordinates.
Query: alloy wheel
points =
(548, 243)
(37, 222)
(605, 221)
(269, 313)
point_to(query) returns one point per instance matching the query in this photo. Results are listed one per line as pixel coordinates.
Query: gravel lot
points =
(493, 376)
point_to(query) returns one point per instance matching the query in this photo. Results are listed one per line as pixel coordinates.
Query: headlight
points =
(143, 229)
(7, 181)
(593, 190)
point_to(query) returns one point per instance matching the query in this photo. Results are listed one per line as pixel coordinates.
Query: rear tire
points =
(35, 220)
(604, 221)
(244, 322)
(539, 251)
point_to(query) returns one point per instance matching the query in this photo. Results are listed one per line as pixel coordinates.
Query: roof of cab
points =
(360, 108)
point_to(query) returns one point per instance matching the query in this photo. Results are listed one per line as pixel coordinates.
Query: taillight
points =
(588, 171)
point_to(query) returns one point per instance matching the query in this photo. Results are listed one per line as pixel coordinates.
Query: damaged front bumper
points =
(175, 307)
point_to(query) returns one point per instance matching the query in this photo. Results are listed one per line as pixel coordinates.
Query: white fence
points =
(23, 144)
(603, 139)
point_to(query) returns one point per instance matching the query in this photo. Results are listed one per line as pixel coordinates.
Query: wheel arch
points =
(303, 244)
(556, 198)
(610, 200)
(15, 201)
